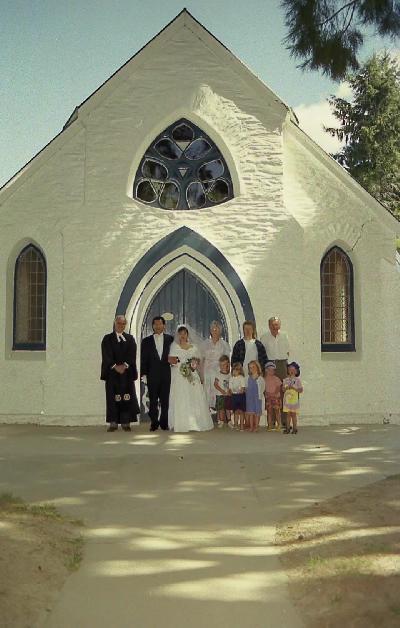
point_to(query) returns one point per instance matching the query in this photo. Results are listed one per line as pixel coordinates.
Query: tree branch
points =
(345, 6)
(346, 26)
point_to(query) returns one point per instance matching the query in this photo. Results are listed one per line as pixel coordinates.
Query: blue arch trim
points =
(184, 237)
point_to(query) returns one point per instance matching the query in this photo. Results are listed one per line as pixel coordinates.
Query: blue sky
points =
(54, 54)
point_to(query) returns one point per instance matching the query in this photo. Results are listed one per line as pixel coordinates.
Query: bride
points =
(188, 407)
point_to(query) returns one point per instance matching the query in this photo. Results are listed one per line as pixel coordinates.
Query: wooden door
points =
(187, 298)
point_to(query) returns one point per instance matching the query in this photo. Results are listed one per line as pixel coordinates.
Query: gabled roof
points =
(183, 20)
(186, 20)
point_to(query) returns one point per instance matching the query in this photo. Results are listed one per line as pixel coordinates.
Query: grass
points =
(337, 566)
(315, 561)
(74, 555)
(337, 598)
(74, 559)
(44, 510)
(378, 547)
(354, 565)
(8, 501)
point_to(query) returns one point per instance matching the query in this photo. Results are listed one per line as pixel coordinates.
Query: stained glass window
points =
(337, 302)
(183, 169)
(30, 300)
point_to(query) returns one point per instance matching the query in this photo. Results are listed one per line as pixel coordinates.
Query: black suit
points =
(158, 374)
(122, 404)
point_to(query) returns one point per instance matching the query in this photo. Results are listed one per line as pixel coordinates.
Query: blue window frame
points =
(30, 288)
(183, 169)
(337, 302)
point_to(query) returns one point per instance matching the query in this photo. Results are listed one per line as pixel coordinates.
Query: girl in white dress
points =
(188, 407)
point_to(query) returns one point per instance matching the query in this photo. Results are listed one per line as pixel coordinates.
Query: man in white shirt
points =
(276, 343)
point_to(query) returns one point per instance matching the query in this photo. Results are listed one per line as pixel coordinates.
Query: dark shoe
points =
(286, 431)
(164, 428)
(295, 431)
(126, 428)
(112, 427)
(153, 428)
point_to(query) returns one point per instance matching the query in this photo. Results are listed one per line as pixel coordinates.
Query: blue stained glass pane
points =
(197, 149)
(170, 196)
(167, 148)
(211, 170)
(182, 133)
(195, 195)
(145, 192)
(154, 170)
(219, 192)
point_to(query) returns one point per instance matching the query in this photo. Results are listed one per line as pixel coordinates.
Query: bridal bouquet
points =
(188, 368)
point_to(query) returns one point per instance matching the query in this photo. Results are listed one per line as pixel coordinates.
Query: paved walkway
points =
(180, 527)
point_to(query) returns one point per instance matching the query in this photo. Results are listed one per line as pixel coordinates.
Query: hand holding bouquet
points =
(188, 369)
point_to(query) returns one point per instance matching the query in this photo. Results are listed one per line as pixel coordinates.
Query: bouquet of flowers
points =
(188, 369)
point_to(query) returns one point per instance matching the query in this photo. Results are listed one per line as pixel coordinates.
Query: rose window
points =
(183, 169)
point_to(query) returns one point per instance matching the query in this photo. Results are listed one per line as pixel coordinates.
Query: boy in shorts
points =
(223, 399)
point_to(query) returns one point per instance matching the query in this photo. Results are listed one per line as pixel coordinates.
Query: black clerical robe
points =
(121, 400)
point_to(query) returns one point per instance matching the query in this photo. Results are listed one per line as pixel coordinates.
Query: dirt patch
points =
(39, 549)
(343, 558)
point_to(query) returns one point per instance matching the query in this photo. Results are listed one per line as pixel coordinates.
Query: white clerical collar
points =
(120, 337)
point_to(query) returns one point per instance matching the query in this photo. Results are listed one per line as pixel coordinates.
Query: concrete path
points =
(180, 527)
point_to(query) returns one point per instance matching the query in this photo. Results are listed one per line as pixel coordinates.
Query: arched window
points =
(183, 169)
(337, 302)
(30, 300)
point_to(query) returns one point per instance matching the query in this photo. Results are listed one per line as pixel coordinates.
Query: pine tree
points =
(328, 34)
(370, 128)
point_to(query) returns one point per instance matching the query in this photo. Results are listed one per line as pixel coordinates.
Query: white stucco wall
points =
(75, 202)
(333, 213)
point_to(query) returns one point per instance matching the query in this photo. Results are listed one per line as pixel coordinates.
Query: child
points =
(254, 395)
(237, 388)
(272, 397)
(221, 383)
(292, 387)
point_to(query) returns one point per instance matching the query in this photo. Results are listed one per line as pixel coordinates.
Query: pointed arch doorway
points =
(185, 249)
(188, 301)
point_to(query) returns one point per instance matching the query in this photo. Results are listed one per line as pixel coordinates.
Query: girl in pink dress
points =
(292, 388)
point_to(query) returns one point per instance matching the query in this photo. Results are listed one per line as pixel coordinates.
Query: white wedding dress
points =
(188, 407)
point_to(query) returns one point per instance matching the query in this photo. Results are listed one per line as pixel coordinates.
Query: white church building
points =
(193, 193)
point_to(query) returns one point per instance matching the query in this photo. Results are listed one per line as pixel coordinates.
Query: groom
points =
(156, 372)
